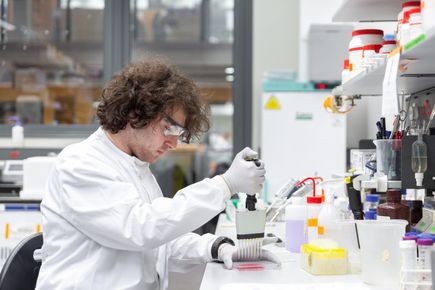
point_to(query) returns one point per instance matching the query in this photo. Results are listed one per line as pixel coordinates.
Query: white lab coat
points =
(106, 224)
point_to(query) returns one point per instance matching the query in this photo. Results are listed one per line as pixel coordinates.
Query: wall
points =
(276, 38)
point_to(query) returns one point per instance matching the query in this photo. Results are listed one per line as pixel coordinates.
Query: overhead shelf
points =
(368, 11)
(419, 74)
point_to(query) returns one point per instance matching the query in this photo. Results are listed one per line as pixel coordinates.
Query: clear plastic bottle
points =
(408, 252)
(296, 225)
(17, 132)
(419, 158)
(424, 259)
(327, 216)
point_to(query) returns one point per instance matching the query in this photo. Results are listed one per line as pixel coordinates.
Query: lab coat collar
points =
(102, 135)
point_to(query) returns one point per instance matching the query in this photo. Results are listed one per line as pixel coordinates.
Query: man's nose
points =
(172, 142)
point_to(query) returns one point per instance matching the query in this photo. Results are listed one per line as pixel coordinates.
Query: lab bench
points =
(290, 276)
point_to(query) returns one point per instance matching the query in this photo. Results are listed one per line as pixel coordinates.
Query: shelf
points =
(368, 11)
(418, 75)
(366, 84)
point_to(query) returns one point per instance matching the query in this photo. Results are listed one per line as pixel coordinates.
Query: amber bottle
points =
(393, 208)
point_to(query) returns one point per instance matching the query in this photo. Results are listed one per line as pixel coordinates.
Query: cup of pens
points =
(388, 155)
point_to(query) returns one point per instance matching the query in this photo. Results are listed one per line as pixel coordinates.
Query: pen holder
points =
(388, 156)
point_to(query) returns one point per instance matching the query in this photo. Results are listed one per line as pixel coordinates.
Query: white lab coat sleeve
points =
(189, 250)
(97, 201)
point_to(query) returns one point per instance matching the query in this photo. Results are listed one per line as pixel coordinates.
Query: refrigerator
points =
(299, 138)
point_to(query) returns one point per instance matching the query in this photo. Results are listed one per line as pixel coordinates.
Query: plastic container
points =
(406, 6)
(415, 25)
(361, 38)
(370, 60)
(393, 208)
(314, 205)
(388, 46)
(327, 215)
(388, 156)
(408, 253)
(380, 252)
(428, 15)
(345, 74)
(424, 257)
(405, 29)
(324, 261)
(296, 225)
(17, 133)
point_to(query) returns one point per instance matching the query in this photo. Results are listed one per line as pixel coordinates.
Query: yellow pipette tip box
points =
(324, 261)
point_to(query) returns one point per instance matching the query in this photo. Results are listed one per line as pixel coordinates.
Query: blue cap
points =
(389, 37)
(370, 215)
(426, 236)
(372, 198)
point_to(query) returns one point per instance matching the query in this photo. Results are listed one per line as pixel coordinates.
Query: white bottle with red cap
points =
(314, 205)
(361, 38)
(406, 6)
(415, 26)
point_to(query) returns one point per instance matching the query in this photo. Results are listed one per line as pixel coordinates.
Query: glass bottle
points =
(419, 158)
(370, 206)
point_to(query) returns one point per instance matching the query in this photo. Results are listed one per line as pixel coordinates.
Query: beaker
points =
(388, 154)
(380, 252)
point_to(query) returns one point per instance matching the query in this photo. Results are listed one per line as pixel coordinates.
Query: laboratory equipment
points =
(408, 175)
(419, 158)
(250, 225)
(380, 252)
(13, 171)
(327, 37)
(354, 195)
(251, 200)
(309, 136)
(35, 175)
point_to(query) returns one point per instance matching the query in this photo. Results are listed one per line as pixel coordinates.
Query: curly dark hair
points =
(143, 91)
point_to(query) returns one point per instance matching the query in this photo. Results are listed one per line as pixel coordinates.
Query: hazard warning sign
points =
(272, 104)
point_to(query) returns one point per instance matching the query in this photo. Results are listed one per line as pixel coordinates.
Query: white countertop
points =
(289, 276)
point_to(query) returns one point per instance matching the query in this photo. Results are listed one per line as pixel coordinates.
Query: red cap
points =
(346, 63)
(314, 199)
(410, 3)
(414, 10)
(389, 42)
(375, 47)
(406, 17)
(367, 31)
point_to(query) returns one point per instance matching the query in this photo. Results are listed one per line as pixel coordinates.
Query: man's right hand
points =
(245, 176)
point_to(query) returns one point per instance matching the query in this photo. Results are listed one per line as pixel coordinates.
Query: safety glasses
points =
(174, 129)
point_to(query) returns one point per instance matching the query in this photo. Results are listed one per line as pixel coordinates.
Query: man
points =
(106, 223)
